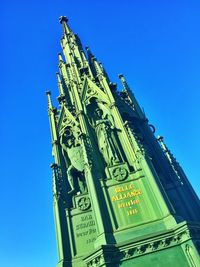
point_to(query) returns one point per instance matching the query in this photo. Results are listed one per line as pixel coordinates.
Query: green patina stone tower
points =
(120, 197)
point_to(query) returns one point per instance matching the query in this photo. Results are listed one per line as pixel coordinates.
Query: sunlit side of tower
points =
(120, 197)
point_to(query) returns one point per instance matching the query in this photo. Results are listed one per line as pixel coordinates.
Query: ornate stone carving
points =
(73, 155)
(104, 130)
(141, 248)
(103, 123)
(91, 91)
(57, 180)
(84, 203)
(127, 254)
(119, 173)
(98, 261)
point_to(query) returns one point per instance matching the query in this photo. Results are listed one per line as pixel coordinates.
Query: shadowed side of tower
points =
(120, 197)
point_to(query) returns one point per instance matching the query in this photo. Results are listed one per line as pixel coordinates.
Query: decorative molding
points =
(84, 203)
(129, 251)
(119, 173)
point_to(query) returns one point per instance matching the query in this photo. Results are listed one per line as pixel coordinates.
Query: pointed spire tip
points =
(48, 92)
(63, 19)
(160, 138)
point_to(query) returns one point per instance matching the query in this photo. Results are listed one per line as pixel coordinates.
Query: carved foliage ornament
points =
(119, 173)
(84, 203)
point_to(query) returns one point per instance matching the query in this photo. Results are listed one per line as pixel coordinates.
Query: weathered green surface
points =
(120, 197)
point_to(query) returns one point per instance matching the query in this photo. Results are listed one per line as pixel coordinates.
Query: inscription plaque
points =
(84, 231)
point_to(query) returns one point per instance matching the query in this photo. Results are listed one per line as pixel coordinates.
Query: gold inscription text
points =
(121, 196)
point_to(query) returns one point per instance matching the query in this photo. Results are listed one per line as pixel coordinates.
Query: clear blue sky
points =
(156, 44)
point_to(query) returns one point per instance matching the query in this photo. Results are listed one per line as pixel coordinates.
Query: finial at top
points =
(90, 55)
(88, 49)
(48, 92)
(121, 77)
(123, 81)
(50, 106)
(63, 19)
(160, 138)
(60, 57)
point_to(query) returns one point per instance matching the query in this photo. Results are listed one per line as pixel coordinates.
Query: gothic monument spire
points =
(120, 197)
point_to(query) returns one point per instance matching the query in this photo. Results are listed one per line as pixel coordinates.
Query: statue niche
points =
(105, 130)
(73, 155)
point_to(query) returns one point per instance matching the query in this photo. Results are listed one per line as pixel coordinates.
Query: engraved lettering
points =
(129, 203)
(86, 218)
(132, 212)
(124, 188)
(85, 225)
(135, 192)
(91, 240)
(125, 198)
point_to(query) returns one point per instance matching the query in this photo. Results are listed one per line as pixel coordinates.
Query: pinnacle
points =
(63, 19)
(160, 138)
(60, 57)
(48, 92)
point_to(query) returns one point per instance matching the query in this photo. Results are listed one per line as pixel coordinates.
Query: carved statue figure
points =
(73, 154)
(105, 131)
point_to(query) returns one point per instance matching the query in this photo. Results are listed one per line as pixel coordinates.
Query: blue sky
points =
(155, 44)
